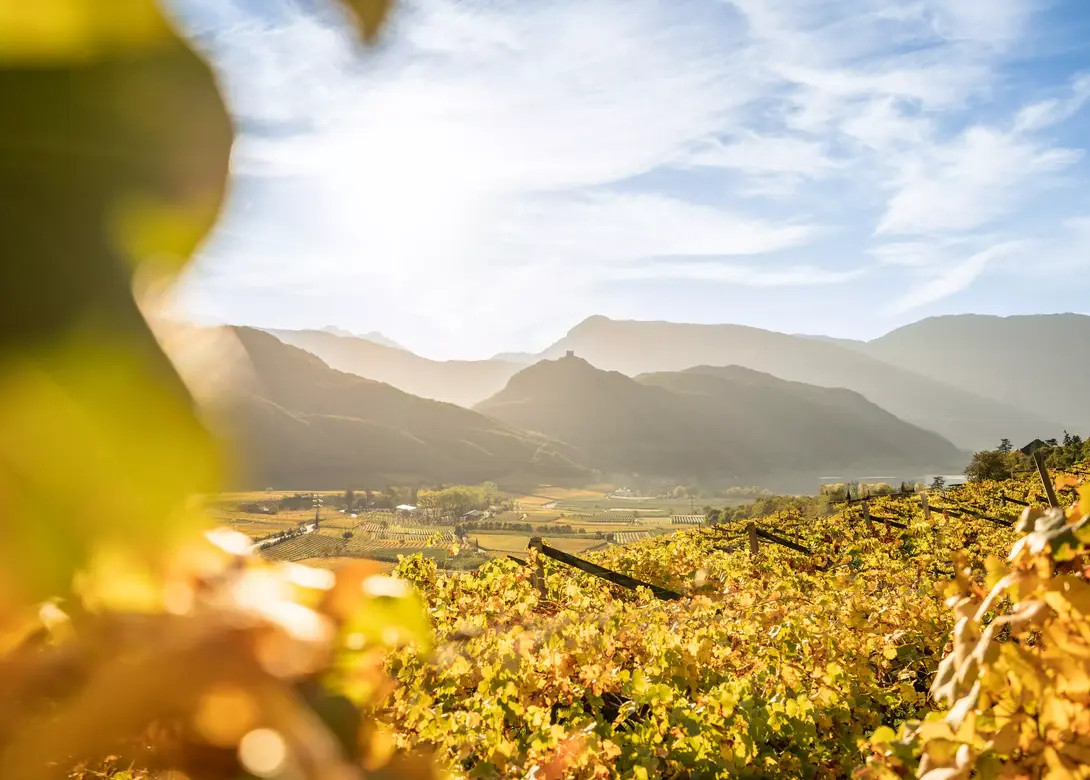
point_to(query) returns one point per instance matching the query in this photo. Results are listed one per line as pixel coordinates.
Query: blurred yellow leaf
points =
(883, 735)
(54, 31)
(95, 449)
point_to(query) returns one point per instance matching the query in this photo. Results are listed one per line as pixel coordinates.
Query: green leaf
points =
(114, 147)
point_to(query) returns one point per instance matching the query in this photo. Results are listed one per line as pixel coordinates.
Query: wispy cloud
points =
(953, 279)
(542, 151)
(969, 181)
(1045, 113)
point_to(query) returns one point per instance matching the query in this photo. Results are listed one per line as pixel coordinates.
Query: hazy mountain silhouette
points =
(463, 382)
(375, 336)
(1036, 362)
(302, 424)
(851, 343)
(722, 423)
(969, 420)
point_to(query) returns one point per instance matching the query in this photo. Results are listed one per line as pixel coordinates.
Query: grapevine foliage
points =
(1017, 679)
(785, 665)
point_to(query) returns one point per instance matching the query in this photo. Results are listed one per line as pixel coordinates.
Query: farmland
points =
(516, 543)
(574, 520)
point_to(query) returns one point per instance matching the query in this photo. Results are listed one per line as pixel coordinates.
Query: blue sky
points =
(497, 170)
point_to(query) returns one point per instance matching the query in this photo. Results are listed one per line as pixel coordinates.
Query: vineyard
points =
(367, 537)
(628, 537)
(779, 664)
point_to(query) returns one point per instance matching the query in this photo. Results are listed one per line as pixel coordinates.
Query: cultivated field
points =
(516, 543)
(599, 520)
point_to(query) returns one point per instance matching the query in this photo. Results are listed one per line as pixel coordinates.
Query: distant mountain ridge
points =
(969, 420)
(301, 424)
(462, 382)
(957, 376)
(374, 335)
(1036, 362)
(724, 424)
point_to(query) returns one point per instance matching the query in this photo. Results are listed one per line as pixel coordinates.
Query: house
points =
(473, 514)
(407, 509)
(1032, 447)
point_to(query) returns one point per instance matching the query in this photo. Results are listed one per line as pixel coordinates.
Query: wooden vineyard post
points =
(754, 544)
(537, 576)
(616, 577)
(925, 506)
(1046, 481)
(866, 516)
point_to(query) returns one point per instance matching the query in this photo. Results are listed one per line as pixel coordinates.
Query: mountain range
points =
(298, 423)
(462, 382)
(724, 404)
(374, 336)
(723, 424)
(972, 379)
(1039, 363)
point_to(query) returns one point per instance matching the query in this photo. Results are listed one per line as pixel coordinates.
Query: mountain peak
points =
(591, 322)
(334, 330)
(374, 336)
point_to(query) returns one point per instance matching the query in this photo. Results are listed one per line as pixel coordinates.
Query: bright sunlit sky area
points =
(495, 171)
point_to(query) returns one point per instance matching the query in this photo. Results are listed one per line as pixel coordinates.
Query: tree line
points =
(1005, 462)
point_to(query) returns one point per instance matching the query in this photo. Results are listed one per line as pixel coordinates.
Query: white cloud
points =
(882, 126)
(540, 150)
(609, 229)
(952, 280)
(968, 182)
(910, 254)
(1038, 116)
(745, 275)
(757, 155)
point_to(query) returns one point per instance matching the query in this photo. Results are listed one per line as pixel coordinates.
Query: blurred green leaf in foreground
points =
(114, 150)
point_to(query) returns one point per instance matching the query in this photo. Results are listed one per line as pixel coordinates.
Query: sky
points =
(495, 171)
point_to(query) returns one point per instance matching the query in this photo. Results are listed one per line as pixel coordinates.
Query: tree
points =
(349, 499)
(938, 483)
(989, 465)
(391, 497)
(1005, 446)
